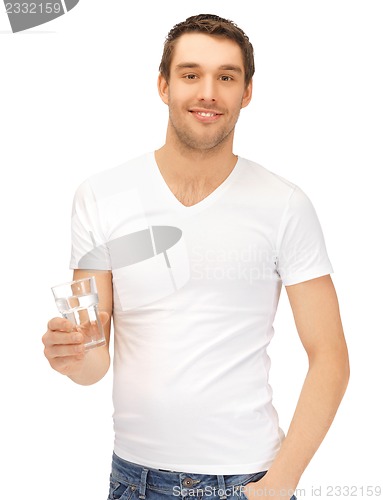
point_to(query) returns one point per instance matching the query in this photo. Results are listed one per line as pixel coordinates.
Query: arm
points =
(65, 351)
(316, 312)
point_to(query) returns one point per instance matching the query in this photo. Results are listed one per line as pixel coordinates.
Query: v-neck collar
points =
(207, 201)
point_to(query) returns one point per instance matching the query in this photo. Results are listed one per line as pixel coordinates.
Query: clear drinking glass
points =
(78, 302)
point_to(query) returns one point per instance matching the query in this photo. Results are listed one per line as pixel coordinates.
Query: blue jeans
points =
(129, 481)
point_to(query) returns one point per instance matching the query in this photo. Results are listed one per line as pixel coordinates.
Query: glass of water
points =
(78, 302)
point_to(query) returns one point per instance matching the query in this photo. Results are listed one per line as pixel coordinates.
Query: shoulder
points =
(114, 179)
(271, 185)
(267, 178)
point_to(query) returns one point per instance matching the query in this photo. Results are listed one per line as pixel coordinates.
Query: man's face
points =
(206, 90)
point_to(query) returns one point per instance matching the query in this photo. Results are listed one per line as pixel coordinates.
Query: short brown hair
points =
(211, 25)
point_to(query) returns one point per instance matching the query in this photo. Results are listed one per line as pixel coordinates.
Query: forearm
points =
(321, 394)
(95, 366)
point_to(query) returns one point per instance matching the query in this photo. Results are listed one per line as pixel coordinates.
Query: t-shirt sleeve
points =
(89, 247)
(301, 248)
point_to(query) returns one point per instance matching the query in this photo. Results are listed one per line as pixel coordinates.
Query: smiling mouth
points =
(206, 116)
(203, 113)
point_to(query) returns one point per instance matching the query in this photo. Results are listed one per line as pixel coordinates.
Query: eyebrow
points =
(225, 67)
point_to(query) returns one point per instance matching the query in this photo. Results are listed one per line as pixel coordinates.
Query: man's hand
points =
(64, 349)
(64, 346)
(64, 342)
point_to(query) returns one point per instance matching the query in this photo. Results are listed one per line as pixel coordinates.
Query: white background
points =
(78, 95)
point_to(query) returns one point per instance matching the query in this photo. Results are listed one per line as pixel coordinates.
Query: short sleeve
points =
(301, 248)
(89, 248)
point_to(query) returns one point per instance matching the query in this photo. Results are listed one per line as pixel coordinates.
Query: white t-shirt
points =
(195, 294)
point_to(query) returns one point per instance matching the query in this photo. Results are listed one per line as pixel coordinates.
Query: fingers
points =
(64, 345)
(63, 350)
(55, 337)
(61, 331)
(61, 324)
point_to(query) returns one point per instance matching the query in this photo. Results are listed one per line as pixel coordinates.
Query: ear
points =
(163, 88)
(246, 98)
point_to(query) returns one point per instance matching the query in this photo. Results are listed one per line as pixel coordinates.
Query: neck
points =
(183, 163)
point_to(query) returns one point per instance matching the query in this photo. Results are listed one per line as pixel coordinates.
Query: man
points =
(190, 246)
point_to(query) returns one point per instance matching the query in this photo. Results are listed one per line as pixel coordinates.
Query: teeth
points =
(205, 114)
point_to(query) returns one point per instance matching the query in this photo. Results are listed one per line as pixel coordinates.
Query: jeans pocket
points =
(120, 491)
(253, 479)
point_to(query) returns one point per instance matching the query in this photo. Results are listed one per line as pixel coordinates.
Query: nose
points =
(207, 90)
